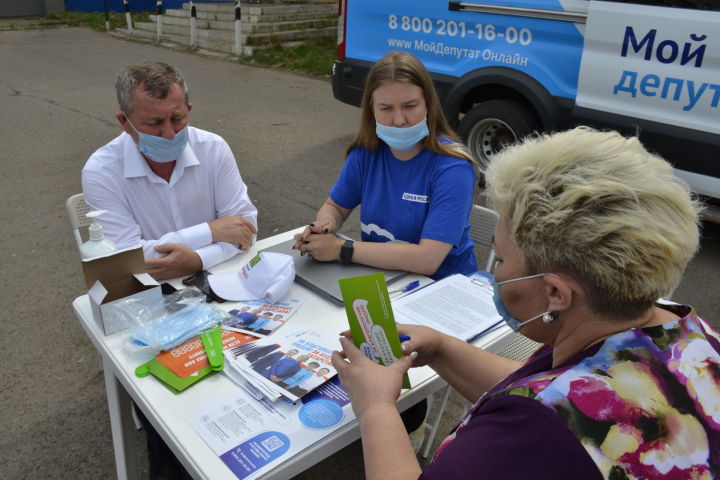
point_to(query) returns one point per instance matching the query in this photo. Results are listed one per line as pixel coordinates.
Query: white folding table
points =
(167, 411)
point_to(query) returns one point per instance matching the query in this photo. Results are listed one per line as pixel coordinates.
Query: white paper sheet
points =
(457, 305)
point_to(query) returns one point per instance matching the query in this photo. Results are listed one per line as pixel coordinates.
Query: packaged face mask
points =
(174, 329)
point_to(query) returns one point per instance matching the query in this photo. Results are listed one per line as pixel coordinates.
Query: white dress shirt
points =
(145, 209)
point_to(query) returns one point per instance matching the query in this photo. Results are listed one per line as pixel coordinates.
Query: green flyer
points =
(372, 323)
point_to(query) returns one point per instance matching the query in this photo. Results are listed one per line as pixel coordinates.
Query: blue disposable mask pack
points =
(402, 139)
(511, 321)
(161, 149)
(172, 330)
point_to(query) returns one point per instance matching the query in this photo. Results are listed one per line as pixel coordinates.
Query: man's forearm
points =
(216, 253)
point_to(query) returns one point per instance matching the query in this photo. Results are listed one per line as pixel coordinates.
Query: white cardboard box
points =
(118, 276)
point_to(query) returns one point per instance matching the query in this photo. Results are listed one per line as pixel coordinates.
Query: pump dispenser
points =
(97, 245)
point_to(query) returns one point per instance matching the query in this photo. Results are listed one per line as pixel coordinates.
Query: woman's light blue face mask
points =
(511, 321)
(402, 139)
(161, 149)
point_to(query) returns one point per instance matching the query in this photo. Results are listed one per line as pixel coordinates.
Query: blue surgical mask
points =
(402, 139)
(161, 149)
(511, 321)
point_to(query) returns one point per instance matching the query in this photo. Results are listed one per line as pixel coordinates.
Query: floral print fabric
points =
(646, 405)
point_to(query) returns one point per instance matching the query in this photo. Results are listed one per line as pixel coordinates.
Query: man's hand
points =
(179, 262)
(233, 229)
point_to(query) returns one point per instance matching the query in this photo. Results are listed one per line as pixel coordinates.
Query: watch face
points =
(346, 252)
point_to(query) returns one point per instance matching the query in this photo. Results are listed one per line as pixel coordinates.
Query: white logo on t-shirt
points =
(412, 197)
(380, 232)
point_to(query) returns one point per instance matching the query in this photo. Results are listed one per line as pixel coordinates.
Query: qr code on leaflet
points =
(272, 443)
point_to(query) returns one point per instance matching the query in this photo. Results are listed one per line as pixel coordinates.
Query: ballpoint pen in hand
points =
(410, 286)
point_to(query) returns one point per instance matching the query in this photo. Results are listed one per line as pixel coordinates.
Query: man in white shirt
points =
(173, 188)
(271, 325)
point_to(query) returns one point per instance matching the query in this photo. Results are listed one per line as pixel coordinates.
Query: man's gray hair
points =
(155, 78)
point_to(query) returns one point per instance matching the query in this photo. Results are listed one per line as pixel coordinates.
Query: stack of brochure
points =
(260, 318)
(282, 366)
(457, 305)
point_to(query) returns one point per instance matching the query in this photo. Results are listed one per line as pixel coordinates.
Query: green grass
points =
(314, 56)
(94, 20)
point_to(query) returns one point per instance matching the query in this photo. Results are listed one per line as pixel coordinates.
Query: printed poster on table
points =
(260, 318)
(253, 436)
(289, 366)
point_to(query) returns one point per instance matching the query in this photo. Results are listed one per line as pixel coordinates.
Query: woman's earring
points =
(548, 317)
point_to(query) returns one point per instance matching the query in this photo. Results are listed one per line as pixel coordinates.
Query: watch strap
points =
(346, 252)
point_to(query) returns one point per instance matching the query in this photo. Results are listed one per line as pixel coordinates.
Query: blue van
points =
(505, 68)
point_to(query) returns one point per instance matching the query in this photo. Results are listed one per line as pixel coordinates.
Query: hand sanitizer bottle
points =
(97, 245)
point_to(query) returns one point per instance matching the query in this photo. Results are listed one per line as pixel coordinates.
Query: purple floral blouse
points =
(643, 404)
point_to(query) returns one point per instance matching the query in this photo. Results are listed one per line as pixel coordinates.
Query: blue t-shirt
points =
(428, 196)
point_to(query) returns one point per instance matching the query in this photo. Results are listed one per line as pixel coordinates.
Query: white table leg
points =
(121, 423)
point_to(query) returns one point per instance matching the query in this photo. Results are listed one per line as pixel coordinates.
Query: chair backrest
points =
(520, 348)
(482, 229)
(76, 210)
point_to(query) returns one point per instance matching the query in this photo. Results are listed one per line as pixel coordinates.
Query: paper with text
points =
(457, 305)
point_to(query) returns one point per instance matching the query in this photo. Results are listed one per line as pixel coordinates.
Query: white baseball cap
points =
(266, 276)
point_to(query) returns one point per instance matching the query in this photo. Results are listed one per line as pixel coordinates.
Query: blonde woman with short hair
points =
(593, 230)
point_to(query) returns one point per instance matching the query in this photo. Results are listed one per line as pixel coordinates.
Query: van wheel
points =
(490, 126)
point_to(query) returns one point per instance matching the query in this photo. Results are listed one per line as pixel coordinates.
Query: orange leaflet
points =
(190, 357)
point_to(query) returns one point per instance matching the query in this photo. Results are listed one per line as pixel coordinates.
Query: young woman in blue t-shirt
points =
(414, 179)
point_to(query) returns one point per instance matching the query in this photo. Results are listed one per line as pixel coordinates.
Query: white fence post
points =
(128, 19)
(159, 5)
(193, 26)
(107, 16)
(238, 38)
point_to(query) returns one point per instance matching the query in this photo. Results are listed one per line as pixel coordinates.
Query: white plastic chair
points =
(482, 230)
(76, 210)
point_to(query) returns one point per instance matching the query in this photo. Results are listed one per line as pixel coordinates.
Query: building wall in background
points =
(29, 8)
(117, 5)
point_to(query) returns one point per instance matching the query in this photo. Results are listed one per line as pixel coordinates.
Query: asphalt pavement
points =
(57, 105)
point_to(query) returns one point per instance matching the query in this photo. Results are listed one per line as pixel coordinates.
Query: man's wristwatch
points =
(346, 252)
